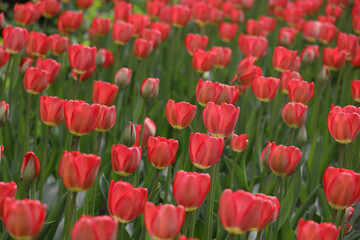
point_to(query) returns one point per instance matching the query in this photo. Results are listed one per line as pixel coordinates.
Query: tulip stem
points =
(155, 183)
(98, 145)
(231, 236)
(333, 216)
(168, 178)
(349, 152)
(76, 143)
(27, 127)
(185, 225)
(232, 185)
(258, 235)
(341, 155)
(247, 235)
(69, 216)
(43, 162)
(341, 222)
(192, 223)
(210, 202)
(76, 88)
(266, 182)
(291, 136)
(3, 92)
(282, 183)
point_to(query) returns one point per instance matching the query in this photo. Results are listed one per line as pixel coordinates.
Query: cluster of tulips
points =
(153, 143)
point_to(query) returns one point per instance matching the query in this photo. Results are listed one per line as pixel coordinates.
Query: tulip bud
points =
(150, 89)
(302, 136)
(239, 142)
(123, 77)
(129, 135)
(4, 112)
(264, 158)
(24, 64)
(30, 170)
(310, 230)
(125, 160)
(323, 75)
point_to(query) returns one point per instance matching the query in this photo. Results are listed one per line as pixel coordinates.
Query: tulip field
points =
(180, 119)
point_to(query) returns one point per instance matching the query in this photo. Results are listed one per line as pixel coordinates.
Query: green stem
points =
(341, 155)
(98, 145)
(338, 84)
(348, 160)
(291, 136)
(247, 235)
(258, 235)
(341, 222)
(333, 216)
(232, 185)
(76, 142)
(43, 162)
(154, 183)
(231, 236)
(192, 223)
(70, 214)
(185, 225)
(94, 187)
(27, 127)
(266, 182)
(210, 202)
(168, 178)
(76, 88)
(118, 108)
(282, 183)
(3, 92)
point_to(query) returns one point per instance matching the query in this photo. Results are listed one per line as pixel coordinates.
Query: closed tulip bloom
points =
(25, 63)
(142, 48)
(122, 32)
(14, 38)
(69, 21)
(310, 230)
(50, 65)
(229, 94)
(309, 54)
(237, 16)
(80, 117)
(35, 80)
(207, 91)
(327, 18)
(355, 62)
(162, 151)
(51, 110)
(78, 170)
(4, 113)
(220, 120)
(286, 36)
(356, 23)
(125, 202)
(327, 33)
(294, 114)
(27, 13)
(268, 23)
(140, 22)
(164, 28)
(283, 161)
(222, 56)
(227, 31)
(264, 157)
(104, 58)
(123, 77)
(344, 123)
(216, 17)
(104, 93)
(122, 11)
(284, 59)
(95, 228)
(59, 44)
(4, 57)
(195, 41)
(105, 117)
(180, 15)
(154, 8)
(38, 44)
(149, 131)
(30, 169)
(203, 61)
(190, 189)
(7, 190)
(152, 35)
(349, 43)
(179, 115)
(200, 13)
(50, 8)
(242, 88)
(355, 90)
(23, 219)
(239, 142)
(101, 26)
(333, 10)
(265, 88)
(125, 160)
(163, 221)
(149, 89)
(252, 46)
(247, 71)
(82, 58)
(205, 150)
(312, 30)
(286, 76)
(323, 75)
(255, 28)
(292, 15)
(300, 91)
(83, 77)
(269, 210)
(84, 4)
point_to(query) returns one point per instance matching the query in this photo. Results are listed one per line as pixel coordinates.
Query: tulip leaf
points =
(286, 231)
(325, 207)
(104, 186)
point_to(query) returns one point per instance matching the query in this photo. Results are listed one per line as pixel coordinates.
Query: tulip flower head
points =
(91, 228)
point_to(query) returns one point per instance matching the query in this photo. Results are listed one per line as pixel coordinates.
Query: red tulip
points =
(162, 151)
(327, 33)
(247, 71)
(269, 211)
(286, 76)
(78, 170)
(355, 90)
(27, 13)
(284, 59)
(195, 41)
(237, 16)
(19, 213)
(200, 13)
(349, 43)
(83, 77)
(207, 91)
(203, 61)
(309, 54)
(142, 48)
(38, 44)
(50, 65)
(205, 150)
(294, 114)
(125, 202)
(164, 28)
(104, 58)
(239, 142)
(139, 22)
(69, 21)
(264, 157)
(101, 26)
(170, 217)
(356, 23)
(180, 15)
(50, 8)
(149, 89)
(80, 118)
(122, 32)
(4, 57)
(104, 93)
(292, 15)
(190, 189)
(105, 117)
(84, 4)
(59, 44)
(122, 11)
(95, 228)
(300, 91)
(51, 110)
(30, 169)
(310, 230)
(220, 120)
(7, 190)
(2, 20)
(312, 30)
(182, 237)
(268, 23)
(125, 160)
(81, 58)
(328, 19)
(333, 10)
(35, 80)
(152, 35)
(323, 75)
(227, 31)
(286, 36)
(149, 130)
(283, 161)
(265, 88)
(222, 56)
(4, 112)
(252, 46)
(14, 38)
(179, 115)
(25, 63)
(229, 94)
(154, 8)
(216, 17)
(255, 28)
(123, 77)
